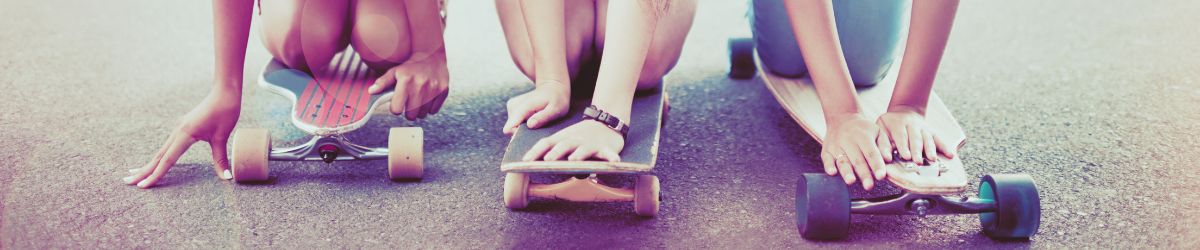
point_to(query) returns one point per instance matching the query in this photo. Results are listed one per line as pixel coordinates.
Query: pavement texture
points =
(1097, 101)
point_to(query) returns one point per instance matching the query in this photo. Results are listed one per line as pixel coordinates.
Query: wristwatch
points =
(594, 113)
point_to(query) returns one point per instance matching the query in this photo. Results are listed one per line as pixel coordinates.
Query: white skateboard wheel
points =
(406, 152)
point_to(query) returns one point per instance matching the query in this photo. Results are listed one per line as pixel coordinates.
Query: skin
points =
(549, 40)
(856, 147)
(412, 59)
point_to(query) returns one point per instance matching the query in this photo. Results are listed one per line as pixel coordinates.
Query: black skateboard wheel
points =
(1018, 207)
(822, 207)
(741, 58)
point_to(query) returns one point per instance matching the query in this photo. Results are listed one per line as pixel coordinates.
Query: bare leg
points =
(665, 47)
(580, 27)
(304, 34)
(381, 33)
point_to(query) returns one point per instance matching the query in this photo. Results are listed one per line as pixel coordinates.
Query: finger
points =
(827, 160)
(900, 140)
(383, 83)
(418, 103)
(427, 97)
(141, 173)
(437, 103)
(538, 149)
(400, 96)
(220, 155)
(543, 116)
(583, 153)
(930, 147)
(845, 168)
(945, 148)
(608, 155)
(864, 173)
(914, 144)
(560, 151)
(875, 162)
(884, 145)
(860, 169)
(181, 144)
(412, 106)
(518, 111)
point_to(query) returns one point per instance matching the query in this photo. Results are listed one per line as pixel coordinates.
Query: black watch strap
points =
(594, 113)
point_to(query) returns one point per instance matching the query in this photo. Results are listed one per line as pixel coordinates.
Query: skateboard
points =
(637, 158)
(327, 107)
(1008, 204)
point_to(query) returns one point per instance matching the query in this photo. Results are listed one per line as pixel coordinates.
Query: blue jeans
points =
(869, 32)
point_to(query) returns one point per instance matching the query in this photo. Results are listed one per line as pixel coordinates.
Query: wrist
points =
(593, 113)
(835, 120)
(904, 108)
(551, 82)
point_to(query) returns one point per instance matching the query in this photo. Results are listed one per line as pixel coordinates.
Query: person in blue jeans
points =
(854, 43)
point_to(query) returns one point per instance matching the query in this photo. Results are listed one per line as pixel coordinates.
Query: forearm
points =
(630, 26)
(927, 36)
(816, 33)
(231, 30)
(546, 24)
(426, 27)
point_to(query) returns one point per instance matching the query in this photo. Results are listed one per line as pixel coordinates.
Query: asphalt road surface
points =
(1097, 101)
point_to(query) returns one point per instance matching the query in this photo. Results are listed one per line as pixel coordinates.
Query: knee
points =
(300, 39)
(653, 71)
(774, 39)
(380, 35)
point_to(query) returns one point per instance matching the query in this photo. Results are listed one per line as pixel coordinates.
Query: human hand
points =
(548, 101)
(850, 149)
(907, 132)
(211, 121)
(582, 141)
(421, 86)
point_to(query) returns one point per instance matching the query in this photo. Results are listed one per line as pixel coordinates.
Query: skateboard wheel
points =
(645, 195)
(406, 152)
(822, 207)
(741, 58)
(1018, 207)
(251, 147)
(516, 190)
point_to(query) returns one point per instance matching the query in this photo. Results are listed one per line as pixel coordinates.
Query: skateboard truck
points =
(328, 149)
(921, 205)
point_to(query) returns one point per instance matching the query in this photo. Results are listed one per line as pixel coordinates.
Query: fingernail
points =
(144, 183)
(128, 179)
(533, 123)
(227, 174)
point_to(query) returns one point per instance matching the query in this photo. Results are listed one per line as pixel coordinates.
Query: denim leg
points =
(869, 33)
(775, 40)
(870, 36)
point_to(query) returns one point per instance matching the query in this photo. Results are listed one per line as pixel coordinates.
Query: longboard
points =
(638, 157)
(332, 102)
(327, 105)
(1008, 204)
(798, 97)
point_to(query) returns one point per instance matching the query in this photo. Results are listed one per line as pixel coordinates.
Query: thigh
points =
(666, 43)
(870, 36)
(775, 40)
(580, 26)
(380, 32)
(304, 34)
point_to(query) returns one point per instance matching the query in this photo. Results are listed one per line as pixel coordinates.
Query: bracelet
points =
(594, 113)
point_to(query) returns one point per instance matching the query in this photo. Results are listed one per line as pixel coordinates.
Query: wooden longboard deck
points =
(639, 154)
(799, 97)
(335, 101)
